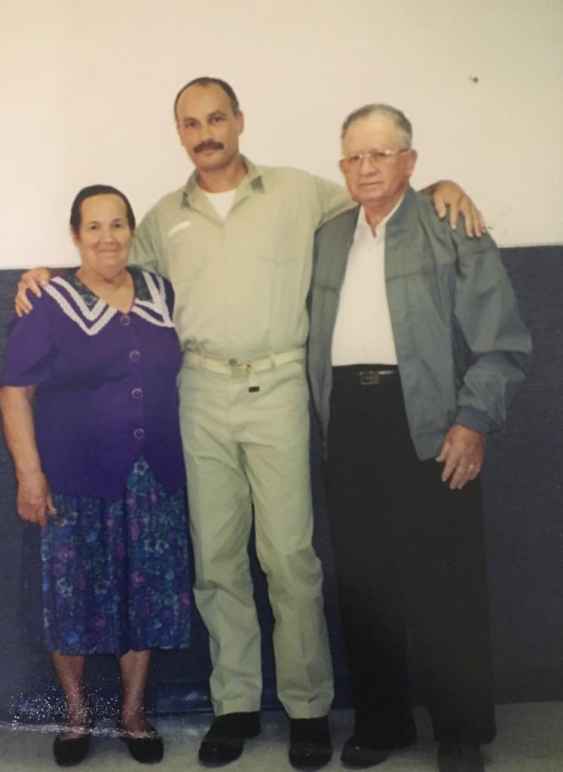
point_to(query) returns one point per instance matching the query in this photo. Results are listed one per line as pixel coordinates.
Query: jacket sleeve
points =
(489, 334)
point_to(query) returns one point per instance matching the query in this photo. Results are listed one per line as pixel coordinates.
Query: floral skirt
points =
(116, 574)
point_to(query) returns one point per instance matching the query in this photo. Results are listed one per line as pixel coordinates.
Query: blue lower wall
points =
(523, 503)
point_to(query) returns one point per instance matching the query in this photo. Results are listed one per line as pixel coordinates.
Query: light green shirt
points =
(241, 283)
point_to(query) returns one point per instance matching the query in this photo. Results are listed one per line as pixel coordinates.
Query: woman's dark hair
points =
(97, 190)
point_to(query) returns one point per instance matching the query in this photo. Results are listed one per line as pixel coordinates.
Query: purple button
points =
(137, 393)
(139, 434)
(125, 320)
(134, 355)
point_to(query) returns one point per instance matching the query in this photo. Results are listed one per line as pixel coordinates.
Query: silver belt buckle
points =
(369, 377)
(239, 369)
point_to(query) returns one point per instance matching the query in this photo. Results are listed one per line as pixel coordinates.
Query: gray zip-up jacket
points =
(462, 347)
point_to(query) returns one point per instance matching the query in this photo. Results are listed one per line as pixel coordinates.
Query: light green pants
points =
(245, 449)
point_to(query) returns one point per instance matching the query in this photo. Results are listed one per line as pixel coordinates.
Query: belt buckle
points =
(239, 369)
(369, 377)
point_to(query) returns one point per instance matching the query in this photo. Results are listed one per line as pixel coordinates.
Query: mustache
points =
(208, 145)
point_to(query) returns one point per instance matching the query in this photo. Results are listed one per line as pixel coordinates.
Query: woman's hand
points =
(34, 501)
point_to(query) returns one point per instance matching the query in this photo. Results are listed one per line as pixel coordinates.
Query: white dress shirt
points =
(363, 332)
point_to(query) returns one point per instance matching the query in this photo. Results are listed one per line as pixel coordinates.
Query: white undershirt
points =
(222, 202)
(363, 332)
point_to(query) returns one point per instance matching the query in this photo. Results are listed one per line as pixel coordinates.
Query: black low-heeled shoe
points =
(71, 750)
(146, 749)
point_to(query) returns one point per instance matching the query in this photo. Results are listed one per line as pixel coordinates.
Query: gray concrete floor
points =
(530, 739)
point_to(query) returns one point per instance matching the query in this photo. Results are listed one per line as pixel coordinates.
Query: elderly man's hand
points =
(31, 281)
(34, 502)
(462, 454)
(449, 199)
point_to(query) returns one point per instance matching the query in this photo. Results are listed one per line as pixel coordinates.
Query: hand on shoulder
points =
(30, 281)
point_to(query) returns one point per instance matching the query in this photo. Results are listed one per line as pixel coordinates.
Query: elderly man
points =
(236, 241)
(415, 349)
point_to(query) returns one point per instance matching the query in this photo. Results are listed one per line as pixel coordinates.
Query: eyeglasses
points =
(352, 163)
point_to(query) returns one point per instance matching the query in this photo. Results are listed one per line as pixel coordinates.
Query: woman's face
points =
(105, 236)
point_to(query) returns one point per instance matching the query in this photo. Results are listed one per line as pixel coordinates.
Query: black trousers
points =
(411, 571)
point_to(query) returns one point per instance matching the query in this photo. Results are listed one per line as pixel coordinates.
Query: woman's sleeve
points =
(30, 348)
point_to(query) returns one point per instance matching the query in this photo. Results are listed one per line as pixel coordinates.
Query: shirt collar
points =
(253, 181)
(140, 289)
(363, 228)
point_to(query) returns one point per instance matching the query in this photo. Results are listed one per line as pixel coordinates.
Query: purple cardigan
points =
(106, 384)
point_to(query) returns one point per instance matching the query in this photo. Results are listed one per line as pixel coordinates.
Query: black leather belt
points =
(365, 375)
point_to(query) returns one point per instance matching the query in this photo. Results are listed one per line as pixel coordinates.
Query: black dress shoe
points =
(69, 751)
(388, 732)
(310, 746)
(366, 749)
(460, 757)
(358, 755)
(147, 748)
(224, 742)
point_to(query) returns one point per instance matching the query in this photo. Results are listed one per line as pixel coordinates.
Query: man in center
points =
(236, 243)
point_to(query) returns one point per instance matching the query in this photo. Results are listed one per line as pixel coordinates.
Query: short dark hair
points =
(206, 80)
(97, 190)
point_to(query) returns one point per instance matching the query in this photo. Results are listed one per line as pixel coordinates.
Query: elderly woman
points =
(91, 419)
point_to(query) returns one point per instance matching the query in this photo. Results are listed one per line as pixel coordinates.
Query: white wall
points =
(87, 89)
